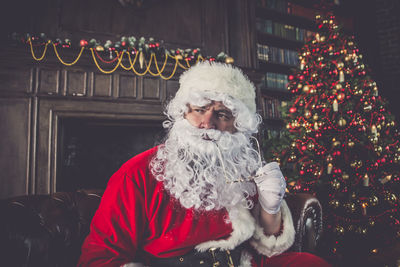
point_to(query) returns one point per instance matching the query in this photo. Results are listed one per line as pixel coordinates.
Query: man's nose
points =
(208, 120)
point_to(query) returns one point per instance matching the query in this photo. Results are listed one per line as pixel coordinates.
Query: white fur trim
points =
(271, 245)
(133, 264)
(245, 259)
(243, 225)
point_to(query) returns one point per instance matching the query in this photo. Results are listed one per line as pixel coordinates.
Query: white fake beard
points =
(201, 173)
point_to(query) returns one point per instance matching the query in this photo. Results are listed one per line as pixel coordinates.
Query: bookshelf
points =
(282, 28)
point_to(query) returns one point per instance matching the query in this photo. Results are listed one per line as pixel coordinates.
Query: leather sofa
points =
(48, 230)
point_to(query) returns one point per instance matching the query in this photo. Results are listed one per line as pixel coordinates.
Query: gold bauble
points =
(378, 149)
(315, 117)
(307, 114)
(353, 164)
(373, 200)
(335, 184)
(334, 203)
(345, 176)
(339, 86)
(367, 106)
(310, 146)
(229, 60)
(306, 88)
(361, 230)
(99, 48)
(339, 230)
(341, 96)
(342, 122)
(350, 207)
(293, 144)
(312, 91)
(350, 143)
(335, 143)
(340, 65)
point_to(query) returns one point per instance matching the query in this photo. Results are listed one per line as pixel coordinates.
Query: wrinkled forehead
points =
(218, 105)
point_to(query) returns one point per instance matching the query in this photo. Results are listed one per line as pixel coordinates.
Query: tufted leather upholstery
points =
(48, 230)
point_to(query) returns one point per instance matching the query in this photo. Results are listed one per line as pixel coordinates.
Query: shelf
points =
(276, 67)
(273, 122)
(290, 19)
(281, 94)
(277, 41)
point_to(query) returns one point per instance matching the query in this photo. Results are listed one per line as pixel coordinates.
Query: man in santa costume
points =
(204, 197)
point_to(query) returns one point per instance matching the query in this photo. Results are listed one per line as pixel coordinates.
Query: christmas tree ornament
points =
(310, 146)
(341, 96)
(229, 60)
(341, 76)
(141, 60)
(99, 48)
(364, 208)
(335, 184)
(365, 180)
(307, 114)
(315, 117)
(367, 106)
(334, 203)
(373, 200)
(335, 143)
(386, 179)
(306, 88)
(329, 158)
(339, 230)
(342, 122)
(329, 168)
(340, 65)
(345, 176)
(335, 106)
(350, 143)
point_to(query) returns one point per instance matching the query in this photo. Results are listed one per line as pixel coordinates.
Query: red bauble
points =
(83, 43)
(292, 110)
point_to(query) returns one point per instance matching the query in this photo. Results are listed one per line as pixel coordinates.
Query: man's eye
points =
(223, 116)
(199, 110)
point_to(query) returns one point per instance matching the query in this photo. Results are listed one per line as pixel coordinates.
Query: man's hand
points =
(271, 187)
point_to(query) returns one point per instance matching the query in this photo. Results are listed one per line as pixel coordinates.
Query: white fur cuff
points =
(270, 245)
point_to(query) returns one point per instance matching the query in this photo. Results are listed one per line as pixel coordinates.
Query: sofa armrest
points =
(46, 230)
(307, 219)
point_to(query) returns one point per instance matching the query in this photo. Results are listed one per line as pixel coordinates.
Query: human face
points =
(212, 116)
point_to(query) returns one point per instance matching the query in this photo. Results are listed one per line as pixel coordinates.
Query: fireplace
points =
(90, 151)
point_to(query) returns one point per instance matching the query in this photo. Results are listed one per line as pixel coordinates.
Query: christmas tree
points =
(342, 144)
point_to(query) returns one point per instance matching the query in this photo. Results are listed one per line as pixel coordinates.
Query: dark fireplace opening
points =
(91, 150)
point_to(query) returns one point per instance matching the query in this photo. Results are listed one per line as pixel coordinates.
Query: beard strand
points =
(200, 167)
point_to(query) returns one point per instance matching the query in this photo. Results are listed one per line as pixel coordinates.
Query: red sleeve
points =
(117, 227)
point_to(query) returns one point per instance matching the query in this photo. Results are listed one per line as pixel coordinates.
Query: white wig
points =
(219, 82)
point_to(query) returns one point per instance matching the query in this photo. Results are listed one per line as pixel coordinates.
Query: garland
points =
(140, 55)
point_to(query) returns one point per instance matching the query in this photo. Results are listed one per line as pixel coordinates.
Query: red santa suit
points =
(138, 219)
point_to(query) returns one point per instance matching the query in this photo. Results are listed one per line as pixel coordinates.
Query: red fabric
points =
(294, 259)
(137, 217)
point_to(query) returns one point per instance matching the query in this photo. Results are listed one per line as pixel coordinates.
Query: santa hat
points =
(218, 78)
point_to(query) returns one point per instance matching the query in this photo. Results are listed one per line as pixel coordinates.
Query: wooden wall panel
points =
(48, 81)
(76, 83)
(14, 144)
(127, 86)
(15, 80)
(151, 88)
(102, 84)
